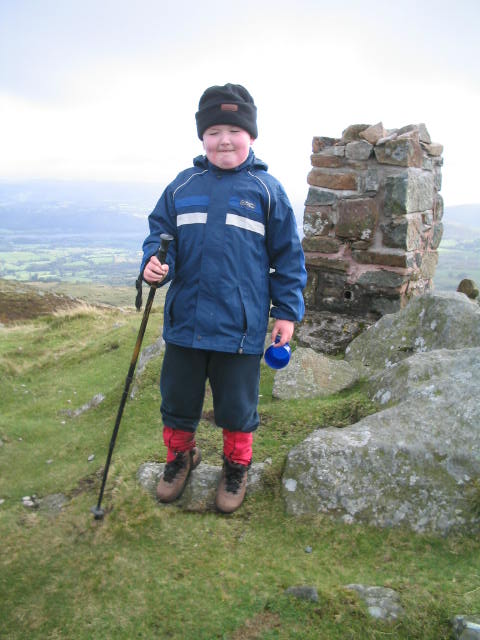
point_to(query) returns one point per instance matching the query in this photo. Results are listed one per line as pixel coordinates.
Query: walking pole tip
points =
(98, 513)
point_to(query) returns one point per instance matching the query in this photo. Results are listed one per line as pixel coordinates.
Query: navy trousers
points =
(234, 380)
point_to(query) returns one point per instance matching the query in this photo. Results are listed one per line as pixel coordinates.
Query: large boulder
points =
(310, 374)
(434, 376)
(428, 322)
(416, 463)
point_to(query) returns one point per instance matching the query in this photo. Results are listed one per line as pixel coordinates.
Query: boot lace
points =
(174, 467)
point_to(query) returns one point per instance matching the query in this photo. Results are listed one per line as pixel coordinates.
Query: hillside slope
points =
(157, 572)
(20, 301)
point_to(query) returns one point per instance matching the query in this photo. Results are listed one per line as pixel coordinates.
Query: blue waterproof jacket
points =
(236, 256)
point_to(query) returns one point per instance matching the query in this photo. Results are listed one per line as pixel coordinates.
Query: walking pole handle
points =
(165, 239)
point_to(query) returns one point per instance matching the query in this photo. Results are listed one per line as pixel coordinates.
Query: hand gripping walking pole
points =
(97, 511)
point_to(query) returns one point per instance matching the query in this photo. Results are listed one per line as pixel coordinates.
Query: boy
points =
(236, 252)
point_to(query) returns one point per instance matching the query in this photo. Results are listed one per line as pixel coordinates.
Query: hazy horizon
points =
(82, 102)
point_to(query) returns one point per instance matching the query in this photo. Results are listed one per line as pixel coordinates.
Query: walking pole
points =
(165, 240)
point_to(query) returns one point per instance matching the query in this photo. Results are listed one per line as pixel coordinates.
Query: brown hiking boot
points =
(175, 476)
(232, 486)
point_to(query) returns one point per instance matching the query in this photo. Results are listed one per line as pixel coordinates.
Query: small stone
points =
(91, 457)
(373, 134)
(2, 500)
(404, 152)
(308, 549)
(338, 181)
(466, 627)
(423, 133)
(49, 461)
(357, 219)
(469, 288)
(358, 150)
(317, 197)
(322, 244)
(434, 149)
(321, 142)
(322, 160)
(353, 132)
(382, 603)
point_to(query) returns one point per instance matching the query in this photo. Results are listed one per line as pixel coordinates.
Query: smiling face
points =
(226, 145)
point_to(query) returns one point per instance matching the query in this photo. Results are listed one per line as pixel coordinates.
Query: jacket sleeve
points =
(161, 220)
(288, 275)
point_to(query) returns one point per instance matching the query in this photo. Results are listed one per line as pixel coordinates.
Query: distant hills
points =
(80, 232)
(102, 207)
(465, 215)
(76, 207)
(136, 194)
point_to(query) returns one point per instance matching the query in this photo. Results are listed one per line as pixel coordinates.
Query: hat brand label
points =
(229, 107)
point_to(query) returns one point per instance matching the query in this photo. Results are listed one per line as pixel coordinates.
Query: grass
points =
(156, 572)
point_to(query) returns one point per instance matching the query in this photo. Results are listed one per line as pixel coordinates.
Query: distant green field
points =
(457, 260)
(79, 261)
(73, 264)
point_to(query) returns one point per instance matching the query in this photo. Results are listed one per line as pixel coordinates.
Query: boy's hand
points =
(155, 271)
(284, 329)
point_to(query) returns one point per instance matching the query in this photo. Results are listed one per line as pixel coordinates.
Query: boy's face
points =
(226, 145)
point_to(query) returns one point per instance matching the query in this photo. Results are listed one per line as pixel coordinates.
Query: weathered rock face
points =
(410, 465)
(416, 463)
(466, 627)
(428, 376)
(382, 603)
(310, 374)
(439, 321)
(327, 332)
(372, 220)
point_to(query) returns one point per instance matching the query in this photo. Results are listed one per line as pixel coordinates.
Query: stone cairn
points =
(372, 220)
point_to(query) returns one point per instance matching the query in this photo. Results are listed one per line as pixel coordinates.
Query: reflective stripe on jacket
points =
(236, 256)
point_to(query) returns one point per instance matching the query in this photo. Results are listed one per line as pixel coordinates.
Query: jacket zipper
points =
(245, 323)
(240, 349)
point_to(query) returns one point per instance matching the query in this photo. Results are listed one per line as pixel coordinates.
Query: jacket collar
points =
(250, 163)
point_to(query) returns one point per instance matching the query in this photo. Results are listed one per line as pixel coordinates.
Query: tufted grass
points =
(155, 572)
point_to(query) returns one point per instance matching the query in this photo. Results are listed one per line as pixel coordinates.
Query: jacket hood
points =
(251, 162)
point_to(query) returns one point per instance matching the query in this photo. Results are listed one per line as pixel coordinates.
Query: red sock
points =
(237, 446)
(176, 440)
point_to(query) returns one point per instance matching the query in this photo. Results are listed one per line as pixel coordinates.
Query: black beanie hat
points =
(230, 104)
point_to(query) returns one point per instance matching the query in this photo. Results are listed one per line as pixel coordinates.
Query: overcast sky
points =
(108, 89)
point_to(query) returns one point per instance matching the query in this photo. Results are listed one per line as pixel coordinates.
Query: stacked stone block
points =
(372, 221)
